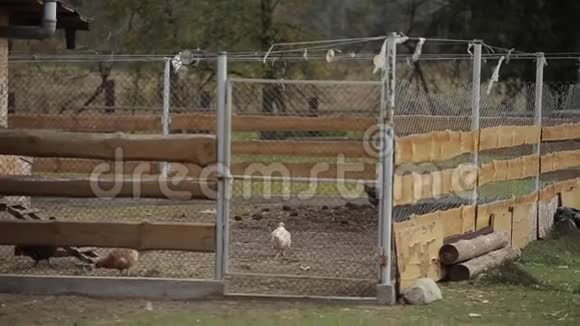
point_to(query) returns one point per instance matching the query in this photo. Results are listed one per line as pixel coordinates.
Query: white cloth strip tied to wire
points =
(495, 75)
(401, 38)
(330, 54)
(268, 53)
(418, 49)
(176, 62)
(380, 60)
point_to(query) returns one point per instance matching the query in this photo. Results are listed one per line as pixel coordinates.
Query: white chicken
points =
(281, 240)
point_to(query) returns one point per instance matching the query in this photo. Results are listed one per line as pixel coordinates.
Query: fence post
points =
(386, 288)
(223, 132)
(540, 60)
(475, 114)
(165, 118)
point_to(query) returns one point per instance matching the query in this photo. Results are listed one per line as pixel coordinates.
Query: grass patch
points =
(510, 273)
(552, 264)
(555, 261)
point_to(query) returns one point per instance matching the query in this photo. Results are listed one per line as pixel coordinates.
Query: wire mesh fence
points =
(294, 173)
(300, 155)
(432, 96)
(103, 97)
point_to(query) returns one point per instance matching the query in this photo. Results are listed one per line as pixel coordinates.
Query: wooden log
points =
(301, 148)
(464, 250)
(153, 187)
(198, 149)
(140, 236)
(468, 235)
(473, 267)
(411, 124)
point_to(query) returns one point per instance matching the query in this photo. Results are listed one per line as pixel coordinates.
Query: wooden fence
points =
(195, 149)
(417, 241)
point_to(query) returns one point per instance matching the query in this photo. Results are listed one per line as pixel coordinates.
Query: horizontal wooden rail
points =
(365, 171)
(87, 122)
(191, 121)
(198, 149)
(409, 189)
(508, 136)
(140, 236)
(154, 187)
(301, 148)
(99, 122)
(504, 170)
(551, 190)
(560, 161)
(567, 131)
(434, 146)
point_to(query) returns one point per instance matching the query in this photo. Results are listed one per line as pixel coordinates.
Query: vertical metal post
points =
(386, 293)
(223, 138)
(380, 179)
(475, 106)
(165, 118)
(540, 60)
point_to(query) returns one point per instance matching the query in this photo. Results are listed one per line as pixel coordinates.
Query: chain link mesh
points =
(332, 224)
(432, 96)
(103, 97)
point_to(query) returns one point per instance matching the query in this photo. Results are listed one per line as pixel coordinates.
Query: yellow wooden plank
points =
(523, 216)
(566, 131)
(502, 222)
(547, 209)
(571, 198)
(418, 251)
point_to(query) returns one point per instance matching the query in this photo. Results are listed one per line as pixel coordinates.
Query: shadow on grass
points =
(550, 264)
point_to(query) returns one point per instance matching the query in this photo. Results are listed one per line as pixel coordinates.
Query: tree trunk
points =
(464, 250)
(471, 268)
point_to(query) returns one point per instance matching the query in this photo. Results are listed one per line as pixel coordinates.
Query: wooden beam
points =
(414, 187)
(139, 236)
(463, 250)
(434, 146)
(83, 166)
(274, 123)
(87, 123)
(566, 131)
(99, 122)
(513, 169)
(508, 136)
(355, 170)
(147, 187)
(467, 270)
(301, 148)
(198, 149)
(200, 121)
(468, 235)
(560, 161)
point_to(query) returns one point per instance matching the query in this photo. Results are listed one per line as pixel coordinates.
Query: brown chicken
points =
(119, 259)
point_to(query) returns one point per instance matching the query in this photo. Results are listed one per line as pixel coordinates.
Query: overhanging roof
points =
(29, 12)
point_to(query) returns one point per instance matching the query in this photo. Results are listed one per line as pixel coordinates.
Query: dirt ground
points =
(333, 246)
(334, 243)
